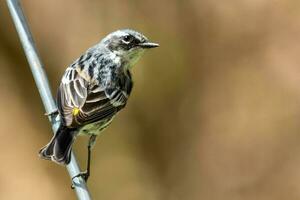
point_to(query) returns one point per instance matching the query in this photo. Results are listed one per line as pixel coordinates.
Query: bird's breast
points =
(94, 128)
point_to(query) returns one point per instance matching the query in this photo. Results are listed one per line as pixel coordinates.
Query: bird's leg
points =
(86, 174)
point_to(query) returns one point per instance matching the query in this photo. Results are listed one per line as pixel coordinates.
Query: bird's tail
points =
(60, 146)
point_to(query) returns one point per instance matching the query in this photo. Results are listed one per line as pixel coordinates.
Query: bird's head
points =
(128, 44)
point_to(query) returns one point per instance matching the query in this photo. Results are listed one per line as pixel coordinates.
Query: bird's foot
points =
(85, 175)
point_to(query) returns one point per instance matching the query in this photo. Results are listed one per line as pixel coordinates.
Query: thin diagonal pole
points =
(43, 87)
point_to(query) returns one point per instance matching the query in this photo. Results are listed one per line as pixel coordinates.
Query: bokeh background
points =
(214, 112)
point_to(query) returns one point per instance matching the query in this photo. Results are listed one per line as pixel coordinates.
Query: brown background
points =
(214, 113)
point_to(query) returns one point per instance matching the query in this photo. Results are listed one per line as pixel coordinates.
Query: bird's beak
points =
(148, 45)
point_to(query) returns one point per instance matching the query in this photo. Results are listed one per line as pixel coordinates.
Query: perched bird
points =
(93, 90)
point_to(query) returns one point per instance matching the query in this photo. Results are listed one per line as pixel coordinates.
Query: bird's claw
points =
(85, 175)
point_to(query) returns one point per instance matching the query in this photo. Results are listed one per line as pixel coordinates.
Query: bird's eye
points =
(127, 39)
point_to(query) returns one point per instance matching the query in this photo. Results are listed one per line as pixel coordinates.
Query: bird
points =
(93, 89)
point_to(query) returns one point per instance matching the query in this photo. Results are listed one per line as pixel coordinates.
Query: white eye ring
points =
(126, 42)
(127, 39)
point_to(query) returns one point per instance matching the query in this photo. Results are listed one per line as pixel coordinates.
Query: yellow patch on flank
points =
(75, 111)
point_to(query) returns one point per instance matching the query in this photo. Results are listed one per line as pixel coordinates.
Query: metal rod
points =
(43, 87)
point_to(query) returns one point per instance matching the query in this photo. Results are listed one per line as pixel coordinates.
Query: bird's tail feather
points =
(60, 146)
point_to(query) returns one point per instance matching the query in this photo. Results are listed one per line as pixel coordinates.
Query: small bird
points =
(93, 90)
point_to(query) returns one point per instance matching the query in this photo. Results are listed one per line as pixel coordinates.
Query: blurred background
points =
(214, 112)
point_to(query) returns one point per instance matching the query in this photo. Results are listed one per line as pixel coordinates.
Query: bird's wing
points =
(80, 103)
(103, 102)
(97, 107)
(71, 95)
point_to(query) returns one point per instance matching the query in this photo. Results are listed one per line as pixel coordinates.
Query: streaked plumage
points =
(93, 89)
(98, 95)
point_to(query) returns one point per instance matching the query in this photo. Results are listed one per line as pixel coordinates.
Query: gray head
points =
(128, 44)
